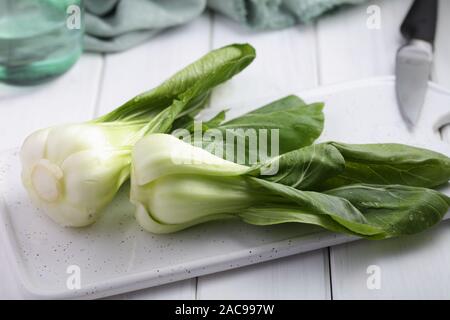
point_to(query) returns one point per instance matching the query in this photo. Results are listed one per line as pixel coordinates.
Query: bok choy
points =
(175, 185)
(73, 171)
(374, 191)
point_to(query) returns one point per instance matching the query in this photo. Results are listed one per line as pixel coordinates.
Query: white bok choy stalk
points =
(73, 171)
(175, 185)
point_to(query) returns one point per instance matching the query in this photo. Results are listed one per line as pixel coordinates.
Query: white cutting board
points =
(116, 256)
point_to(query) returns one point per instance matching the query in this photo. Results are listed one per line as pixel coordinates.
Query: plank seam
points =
(330, 278)
(326, 251)
(317, 54)
(100, 87)
(210, 47)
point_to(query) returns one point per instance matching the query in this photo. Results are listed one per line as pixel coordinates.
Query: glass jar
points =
(39, 39)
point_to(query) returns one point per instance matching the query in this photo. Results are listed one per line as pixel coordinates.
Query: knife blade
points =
(414, 59)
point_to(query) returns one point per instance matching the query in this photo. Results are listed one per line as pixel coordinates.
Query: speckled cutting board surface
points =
(115, 255)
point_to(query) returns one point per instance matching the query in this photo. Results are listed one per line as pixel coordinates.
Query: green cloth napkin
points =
(116, 25)
(275, 14)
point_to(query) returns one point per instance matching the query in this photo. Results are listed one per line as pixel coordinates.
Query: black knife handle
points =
(420, 22)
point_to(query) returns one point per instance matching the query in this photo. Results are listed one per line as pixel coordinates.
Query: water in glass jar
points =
(36, 41)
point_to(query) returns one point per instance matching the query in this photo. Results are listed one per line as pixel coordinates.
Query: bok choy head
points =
(175, 185)
(73, 171)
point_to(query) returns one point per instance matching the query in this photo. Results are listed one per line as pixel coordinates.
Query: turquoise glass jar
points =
(39, 39)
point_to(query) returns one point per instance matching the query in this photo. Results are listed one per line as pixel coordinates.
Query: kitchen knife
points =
(414, 59)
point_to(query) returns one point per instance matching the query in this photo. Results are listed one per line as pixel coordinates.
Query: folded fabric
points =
(275, 14)
(116, 25)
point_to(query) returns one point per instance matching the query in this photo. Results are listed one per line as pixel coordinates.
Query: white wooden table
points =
(336, 48)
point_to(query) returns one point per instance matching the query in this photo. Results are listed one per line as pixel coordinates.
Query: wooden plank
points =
(414, 267)
(441, 72)
(175, 291)
(139, 69)
(70, 98)
(349, 50)
(142, 68)
(285, 63)
(304, 276)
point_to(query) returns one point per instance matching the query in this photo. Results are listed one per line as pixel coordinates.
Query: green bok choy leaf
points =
(332, 164)
(289, 121)
(390, 163)
(396, 209)
(299, 124)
